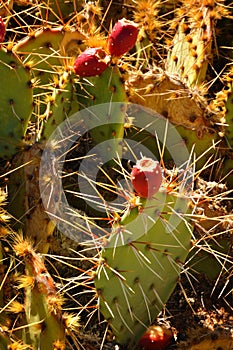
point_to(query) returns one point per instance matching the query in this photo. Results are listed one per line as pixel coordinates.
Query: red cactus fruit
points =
(155, 338)
(2, 30)
(93, 61)
(122, 38)
(146, 177)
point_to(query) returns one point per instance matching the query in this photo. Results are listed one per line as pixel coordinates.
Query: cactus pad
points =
(105, 89)
(140, 264)
(15, 103)
(47, 47)
(47, 51)
(61, 104)
(167, 95)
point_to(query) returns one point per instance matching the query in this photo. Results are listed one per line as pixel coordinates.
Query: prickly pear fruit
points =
(93, 61)
(122, 38)
(146, 177)
(155, 338)
(2, 30)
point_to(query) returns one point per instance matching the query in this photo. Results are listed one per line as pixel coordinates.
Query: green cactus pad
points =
(15, 103)
(140, 265)
(208, 263)
(55, 10)
(41, 49)
(201, 143)
(4, 341)
(62, 104)
(106, 88)
(187, 111)
(47, 49)
(25, 198)
(42, 303)
(48, 327)
(189, 56)
(47, 52)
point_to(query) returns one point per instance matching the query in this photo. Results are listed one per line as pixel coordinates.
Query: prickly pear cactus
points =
(105, 89)
(41, 49)
(47, 49)
(25, 198)
(167, 95)
(38, 322)
(59, 10)
(191, 50)
(222, 105)
(15, 102)
(141, 262)
(42, 302)
(60, 105)
(48, 52)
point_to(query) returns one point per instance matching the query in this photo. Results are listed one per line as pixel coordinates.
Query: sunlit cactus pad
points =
(15, 102)
(140, 264)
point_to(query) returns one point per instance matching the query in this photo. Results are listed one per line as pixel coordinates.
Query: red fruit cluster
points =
(146, 177)
(155, 338)
(2, 30)
(122, 38)
(93, 61)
